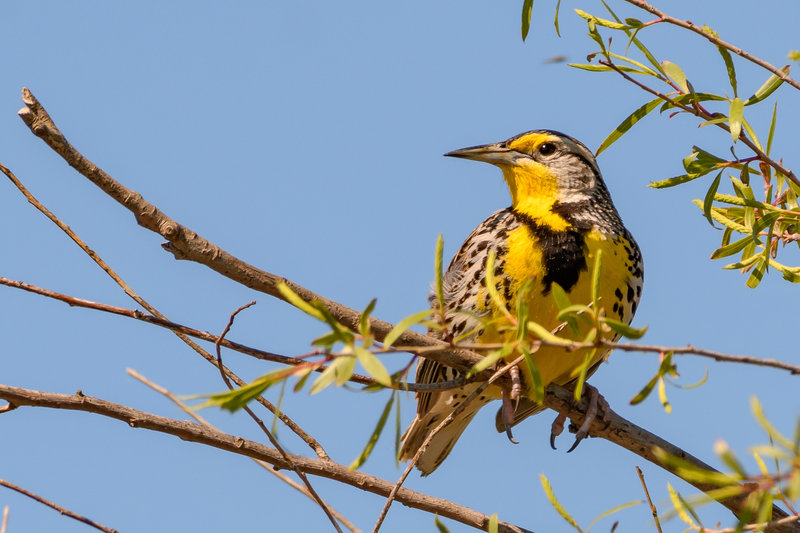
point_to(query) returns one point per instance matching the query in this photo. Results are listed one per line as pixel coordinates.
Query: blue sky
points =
(306, 138)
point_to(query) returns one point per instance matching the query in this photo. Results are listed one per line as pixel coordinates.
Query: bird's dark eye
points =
(547, 148)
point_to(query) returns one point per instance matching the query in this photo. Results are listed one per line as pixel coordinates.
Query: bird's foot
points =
(508, 413)
(597, 404)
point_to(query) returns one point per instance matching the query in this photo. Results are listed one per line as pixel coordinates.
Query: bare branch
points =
(52, 505)
(649, 501)
(193, 432)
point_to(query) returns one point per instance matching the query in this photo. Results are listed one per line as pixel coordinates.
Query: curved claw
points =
(591, 414)
(508, 415)
(556, 429)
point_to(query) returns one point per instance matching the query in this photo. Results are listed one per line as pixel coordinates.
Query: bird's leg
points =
(596, 402)
(508, 414)
(516, 386)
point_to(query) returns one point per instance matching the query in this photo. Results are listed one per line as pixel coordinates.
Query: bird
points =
(560, 218)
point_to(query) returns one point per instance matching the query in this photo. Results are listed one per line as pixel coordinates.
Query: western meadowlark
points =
(561, 216)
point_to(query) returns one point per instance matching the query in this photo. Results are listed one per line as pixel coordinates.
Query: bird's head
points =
(543, 169)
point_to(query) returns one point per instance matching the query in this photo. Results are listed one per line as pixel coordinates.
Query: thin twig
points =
(715, 40)
(260, 423)
(4, 526)
(183, 335)
(193, 432)
(193, 413)
(52, 505)
(649, 501)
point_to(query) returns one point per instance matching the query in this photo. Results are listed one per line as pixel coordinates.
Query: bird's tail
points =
(442, 443)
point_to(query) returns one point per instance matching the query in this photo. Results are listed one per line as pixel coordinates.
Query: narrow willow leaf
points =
(732, 248)
(373, 366)
(490, 359)
(527, 9)
(582, 372)
(373, 438)
(794, 55)
(439, 525)
(492, 526)
(363, 320)
(758, 413)
(294, 299)
(662, 396)
(769, 87)
(596, 272)
(646, 390)
(766, 221)
(744, 263)
(555, 19)
(548, 490)
(677, 503)
(491, 286)
(757, 274)
(716, 214)
(537, 391)
(614, 510)
(708, 201)
(624, 329)
(627, 124)
(675, 74)
(677, 180)
(544, 334)
(735, 118)
(772, 128)
(327, 376)
(764, 509)
(752, 133)
(641, 66)
(599, 21)
(398, 424)
(590, 67)
(762, 466)
(560, 297)
(791, 274)
(439, 272)
(403, 325)
(726, 57)
(235, 399)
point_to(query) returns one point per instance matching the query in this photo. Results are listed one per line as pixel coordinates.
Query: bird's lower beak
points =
(496, 154)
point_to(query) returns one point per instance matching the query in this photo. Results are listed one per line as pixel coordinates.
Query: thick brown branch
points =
(193, 432)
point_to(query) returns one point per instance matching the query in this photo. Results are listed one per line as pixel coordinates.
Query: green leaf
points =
(237, 398)
(628, 123)
(373, 366)
(492, 526)
(537, 390)
(373, 438)
(439, 273)
(542, 333)
(646, 390)
(403, 325)
(596, 272)
(761, 418)
(677, 180)
(769, 87)
(527, 9)
(732, 248)
(744, 263)
(582, 371)
(599, 21)
(439, 525)
(331, 373)
(641, 66)
(490, 359)
(614, 510)
(726, 57)
(662, 396)
(708, 201)
(678, 503)
(772, 128)
(294, 299)
(548, 490)
(555, 19)
(675, 74)
(735, 118)
(363, 320)
(794, 55)
(623, 329)
(560, 297)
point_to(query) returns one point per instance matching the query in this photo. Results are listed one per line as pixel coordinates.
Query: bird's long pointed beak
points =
(496, 154)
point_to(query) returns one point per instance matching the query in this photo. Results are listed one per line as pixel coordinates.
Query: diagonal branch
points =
(193, 432)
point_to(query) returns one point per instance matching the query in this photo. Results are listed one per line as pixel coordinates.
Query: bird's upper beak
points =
(496, 154)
